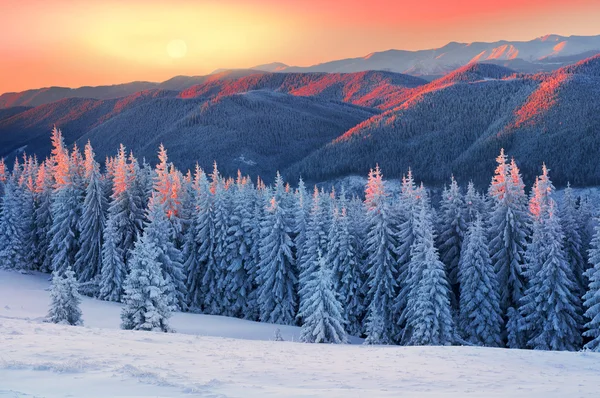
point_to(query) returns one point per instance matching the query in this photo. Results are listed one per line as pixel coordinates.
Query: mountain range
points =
(323, 126)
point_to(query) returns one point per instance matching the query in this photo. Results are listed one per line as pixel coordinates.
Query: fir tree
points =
(277, 279)
(452, 231)
(240, 281)
(212, 250)
(508, 233)
(427, 314)
(573, 245)
(12, 240)
(480, 316)
(322, 313)
(592, 296)
(342, 256)
(121, 231)
(43, 217)
(160, 232)
(382, 273)
(66, 207)
(316, 241)
(550, 308)
(88, 261)
(146, 292)
(65, 299)
(198, 263)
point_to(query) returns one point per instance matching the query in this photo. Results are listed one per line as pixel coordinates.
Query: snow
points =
(214, 356)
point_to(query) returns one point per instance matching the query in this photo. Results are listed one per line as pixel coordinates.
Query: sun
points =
(177, 48)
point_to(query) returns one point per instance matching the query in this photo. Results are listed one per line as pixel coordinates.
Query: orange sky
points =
(74, 43)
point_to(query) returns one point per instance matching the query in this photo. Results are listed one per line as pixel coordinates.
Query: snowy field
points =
(214, 356)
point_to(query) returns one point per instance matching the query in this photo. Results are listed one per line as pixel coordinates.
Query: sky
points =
(95, 42)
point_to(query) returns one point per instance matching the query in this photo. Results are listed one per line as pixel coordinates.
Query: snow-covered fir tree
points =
(43, 216)
(480, 316)
(241, 280)
(452, 231)
(27, 210)
(550, 308)
(301, 220)
(382, 273)
(201, 240)
(212, 253)
(88, 261)
(121, 231)
(322, 312)
(573, 245)
(508, 234)
(428, 312)
(316, 241)
(66, 206)
(410, 197)
(277, 278)
(65, 299)
(160, 232)
(12, 239)
(592, 296)
(342, 257)
(146, 292)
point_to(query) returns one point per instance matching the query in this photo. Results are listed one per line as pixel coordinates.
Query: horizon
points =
(68, 43)
(225, 69)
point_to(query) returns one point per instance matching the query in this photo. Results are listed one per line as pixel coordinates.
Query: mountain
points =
(458, 124)
(28, 130)
(373, 89)
(542, 54)
(324, 126)
(272, 67)
(257, 132)
(51, 94)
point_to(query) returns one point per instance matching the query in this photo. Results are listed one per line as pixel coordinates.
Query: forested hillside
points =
(257, 132)
(456, 124)
(324, 126)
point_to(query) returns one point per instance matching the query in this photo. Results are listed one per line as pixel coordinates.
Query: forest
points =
(501, 268)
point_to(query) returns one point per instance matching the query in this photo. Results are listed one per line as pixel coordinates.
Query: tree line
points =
(498, 269)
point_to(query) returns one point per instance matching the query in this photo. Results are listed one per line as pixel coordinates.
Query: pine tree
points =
(480, 316)
(12, 240)
(342, 256)
(410, 197)
(43, 217)
(146, 292)
(65, 299)
(452, 231)
(240, 282)
(88, 261)
(573, 245)
(65, 208)
(121, 231)
(277, 279)
(201, 240)
(160, 232)
(221, 213)
(316, 242)
(508, 233)
(322, 313)
(382, 273)
(26, 189)
(592, 296)
(427, 314)
(301, 220)
(114, 270)
(212, 234)
(550, 308)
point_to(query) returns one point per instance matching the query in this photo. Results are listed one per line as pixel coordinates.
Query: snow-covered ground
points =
(221, 357)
